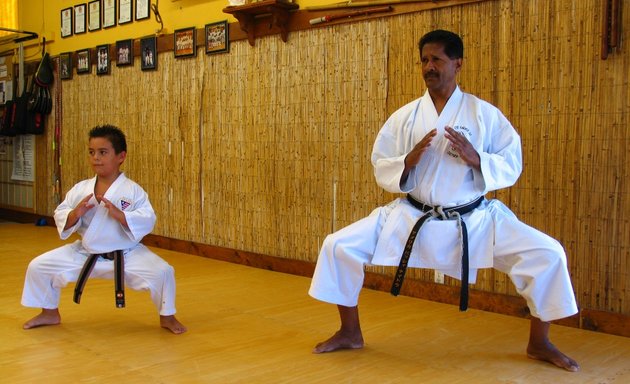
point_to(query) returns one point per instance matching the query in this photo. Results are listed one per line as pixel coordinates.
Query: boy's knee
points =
(34, 266)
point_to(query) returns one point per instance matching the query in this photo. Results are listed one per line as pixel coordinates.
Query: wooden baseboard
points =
(23, 217)
(600, 321)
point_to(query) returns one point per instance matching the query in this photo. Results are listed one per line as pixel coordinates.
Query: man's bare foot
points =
(172, 324)
(46, 317)
(549, 353)
(340, 341)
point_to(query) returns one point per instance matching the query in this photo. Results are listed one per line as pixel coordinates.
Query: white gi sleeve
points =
(390, 149)
(73, 197)
(141, 217)
(501, 159)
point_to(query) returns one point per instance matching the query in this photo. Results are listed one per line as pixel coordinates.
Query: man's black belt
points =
(441, 214)
(119, 276)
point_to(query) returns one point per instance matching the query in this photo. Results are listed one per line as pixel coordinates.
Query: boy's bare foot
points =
(338, 341)
(46, 317)
(549, 353)
(172, 324)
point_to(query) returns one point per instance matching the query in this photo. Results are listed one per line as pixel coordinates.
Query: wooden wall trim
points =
(300, 21)
(21, 216)
(599, 321)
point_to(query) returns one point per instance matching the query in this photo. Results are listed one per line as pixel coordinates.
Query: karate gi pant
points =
(535, 262)
(53, 270)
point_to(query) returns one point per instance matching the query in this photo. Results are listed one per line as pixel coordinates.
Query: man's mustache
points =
(431, 74)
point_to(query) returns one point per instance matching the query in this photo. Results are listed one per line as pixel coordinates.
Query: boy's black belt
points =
(440, 213)
(119, 275)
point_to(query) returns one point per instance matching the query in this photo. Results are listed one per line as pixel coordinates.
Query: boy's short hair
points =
(111, 133)
(453, 45)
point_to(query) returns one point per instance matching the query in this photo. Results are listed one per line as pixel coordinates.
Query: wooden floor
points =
(249, 325)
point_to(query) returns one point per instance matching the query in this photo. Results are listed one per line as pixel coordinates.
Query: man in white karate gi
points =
(446, 150)
(110, 212)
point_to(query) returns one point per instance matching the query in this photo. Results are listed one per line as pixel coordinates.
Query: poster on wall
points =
(23, 158)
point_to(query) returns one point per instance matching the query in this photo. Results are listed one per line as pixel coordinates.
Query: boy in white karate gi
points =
(446, 150)
(110, 212)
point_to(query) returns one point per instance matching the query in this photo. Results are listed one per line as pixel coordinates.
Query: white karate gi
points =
(100, 233)
(535, 262)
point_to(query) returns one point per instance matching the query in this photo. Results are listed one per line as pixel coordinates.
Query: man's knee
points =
(555, 253)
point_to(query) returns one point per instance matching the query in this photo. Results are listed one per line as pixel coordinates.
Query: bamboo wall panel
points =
(267, 148)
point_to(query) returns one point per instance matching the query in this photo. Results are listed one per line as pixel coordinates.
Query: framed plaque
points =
(217, 37)
(83, 61)
(185, 42)
(124, 11)
(65, 65)
(94, 15)
(142, 9)
(109, 13)
(66, 22)
(102, 59)
(124, 52)
(79, 19)
(148, 53)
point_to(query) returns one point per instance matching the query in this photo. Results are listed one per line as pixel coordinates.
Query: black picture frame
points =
(66, 22)
(148, 53)
(124, 53)
(84, 64)
(217, 36)
(94, 15)
(65, 65)
(185, 42)
(80, 17)
(102, 59)
(109, 13)
(143, 9)
(125, 11)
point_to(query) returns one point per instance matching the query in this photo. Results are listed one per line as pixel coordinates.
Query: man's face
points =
(103, 158)
(438, 70)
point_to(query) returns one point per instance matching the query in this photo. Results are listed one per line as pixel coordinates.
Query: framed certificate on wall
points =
(142, 9)
(94, 15)
(79, 19)
(66, 22)
(109, 13)
(124, 11)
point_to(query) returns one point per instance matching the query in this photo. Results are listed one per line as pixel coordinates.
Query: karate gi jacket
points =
(99, 232)
(442, 178)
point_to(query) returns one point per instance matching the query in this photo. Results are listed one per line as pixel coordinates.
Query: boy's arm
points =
(115, 213)
(74, 215)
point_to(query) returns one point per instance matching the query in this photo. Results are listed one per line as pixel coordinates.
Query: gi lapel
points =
(93, 232)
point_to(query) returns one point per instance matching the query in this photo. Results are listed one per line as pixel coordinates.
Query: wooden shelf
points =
(249, 15)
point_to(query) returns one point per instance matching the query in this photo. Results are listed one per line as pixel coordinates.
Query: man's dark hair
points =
(453, 45)
(111, 133)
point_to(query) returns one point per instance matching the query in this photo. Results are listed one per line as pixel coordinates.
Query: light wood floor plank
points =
(250, 325)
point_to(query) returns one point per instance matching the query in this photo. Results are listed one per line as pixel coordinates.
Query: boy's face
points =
(103, 158)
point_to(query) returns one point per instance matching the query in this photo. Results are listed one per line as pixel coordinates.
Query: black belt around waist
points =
(119, 276)
(440, 213)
